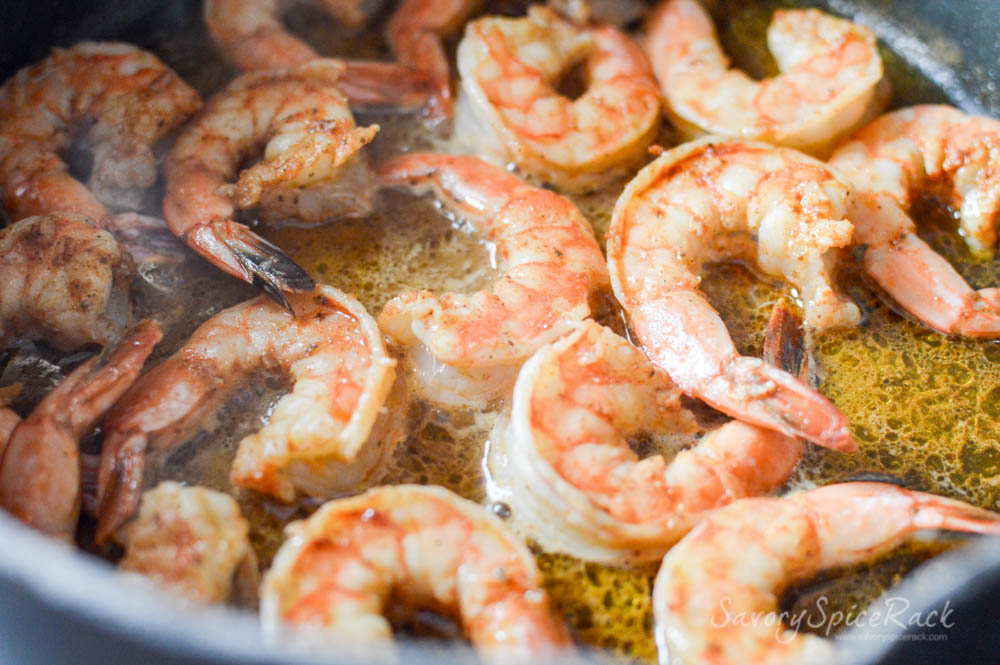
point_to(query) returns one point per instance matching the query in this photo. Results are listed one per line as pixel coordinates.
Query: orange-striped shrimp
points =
(252, 35)
(65, 281)
(561, 459)
(416, 32)
(414, 546)
(311, 169)
(126, 98)
(829, 81)
(192, 541)
(510, 107)
(328, 434)
(734, 564)
(467, 348)
(892, 160)
(713, 199)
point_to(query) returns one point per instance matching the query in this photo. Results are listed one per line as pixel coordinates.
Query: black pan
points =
(60, 606)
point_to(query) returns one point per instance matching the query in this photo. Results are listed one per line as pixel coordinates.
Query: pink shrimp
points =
(40, 470)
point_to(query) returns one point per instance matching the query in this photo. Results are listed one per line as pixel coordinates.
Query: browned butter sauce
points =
(925, 409)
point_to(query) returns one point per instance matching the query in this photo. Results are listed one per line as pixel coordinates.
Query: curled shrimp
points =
(192, 541)
(64, 281)
(574, 484)
(712, 199)
(416, 32)
(127, 98)
(311, 169)
(737, 561)
(252, 35)
(940, 149)
(509, 67)
(328, 434)
(416, 547)
(40, 471)
(468, 347)
(829, 81)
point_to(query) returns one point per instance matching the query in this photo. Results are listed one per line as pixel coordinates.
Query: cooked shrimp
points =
(311, 169)
(416, 32)
(8, 421)
(327, 435)
(468, 347)
(190, 540)
(64, 281)
(40, 471)
(940, 149)
(713, 199)
(413, 546)
(564, 465)
(830, 73)
(127, 98)
(252, 35)
(509, 67)
(736, 562)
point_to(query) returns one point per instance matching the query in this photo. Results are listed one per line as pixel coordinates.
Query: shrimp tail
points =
(784, 340)
(122, 489)
(378, 84)
(770, 397)
(685, 336)
(918, 280)
(244, 254)
(936, 512)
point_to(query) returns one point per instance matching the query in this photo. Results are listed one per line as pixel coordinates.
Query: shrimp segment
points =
(127, 98)
(566, 469)
(830, 70)
(64, 280)
(550, 262)
(415, 546)
(509, 67)
(253, 37)
(892, 159)
(40, 471)
(737, 561)
(190, 540)
(415, 33)
(327, 435)
(311, 169)
(713, 199)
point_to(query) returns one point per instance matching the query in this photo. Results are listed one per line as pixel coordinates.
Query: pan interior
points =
(925, 409)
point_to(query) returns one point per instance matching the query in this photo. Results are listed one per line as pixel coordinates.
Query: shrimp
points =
(509, 67)
(735, 563)
(467, 348)
(328, 434)
(65, 281)
(311, 169)
(192, 541)
(829, 81)
(566, 469)
(9, 419)
(897, 156)
(253, 37)
(416, 546)
(126, 98)
(40, 470)
(415, 33)
(713, 199)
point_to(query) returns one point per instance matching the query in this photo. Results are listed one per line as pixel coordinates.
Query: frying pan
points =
(60, 606)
